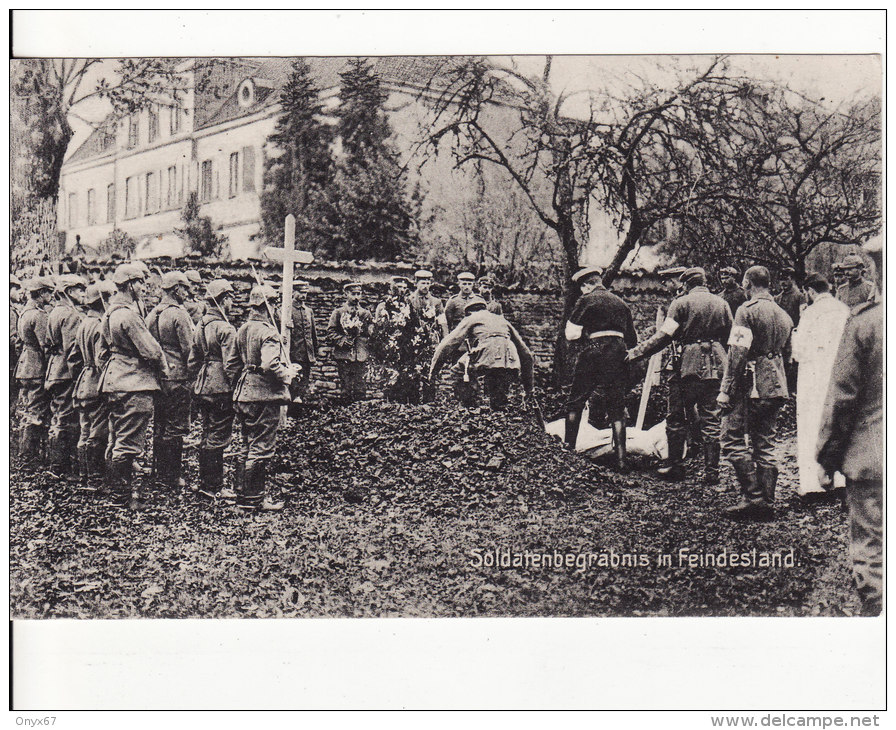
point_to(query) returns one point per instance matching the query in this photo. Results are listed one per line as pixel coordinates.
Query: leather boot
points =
(83, 470)
(231, 494)
(752, 504)
(121, 482)
(672, 469)
(711, 453)
(216, 469)
(55, 467)
(31, 447)
(573, 421)
(175, 448)
(96, 468)
(267, 504)
(620, 445)
(768, 480)
(202, 460)
(249, 498)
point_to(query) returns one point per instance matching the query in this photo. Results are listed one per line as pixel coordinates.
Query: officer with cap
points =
(303, 343)
(731, 291)
(170, 324)
(215, 366)
(261, 389)
(851, 440)
(486, 286)
(348, 332)
(454, 307)
(129, 380)
(193, 303)
(498, 353)
(63, 366)
(429, 309)
(603, 323)
(856, 289)
(753, 390)
(31, 369)
(700, 321)
(93, 411)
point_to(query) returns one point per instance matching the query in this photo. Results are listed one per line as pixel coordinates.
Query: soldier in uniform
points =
(31, 369)
(792, 300)
(260, 391)
(604, 324)
(348, 332)
(486, 285)
(851, 441)
(215, 366)
(700, 321)
(856, 289)
(92, 408)
(753, 390)
(15, 344)
(837, 277)
(303, 345)
(63, 366)
(130, 379)
(455, 306)
(731, 292)
(429, 309)
(399, 341)
(193, 303)
(498, 354)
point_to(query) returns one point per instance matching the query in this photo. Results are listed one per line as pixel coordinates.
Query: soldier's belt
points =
(764, 356)
(701, 342)
(605, 333)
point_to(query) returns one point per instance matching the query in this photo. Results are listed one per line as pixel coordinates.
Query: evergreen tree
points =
(197, 232)
(371, 215)
(296, 180)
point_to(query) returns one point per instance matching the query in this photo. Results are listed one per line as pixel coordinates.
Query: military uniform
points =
(792, 301)
(15, 349)
(454, 309)
(30, 371)
(430, 311)
(756, 384)
(851, 441)
(63, 365)
(195, 308)
(734, 297)
(303, 346)
(216, 366)
(262, 388)
(171, 326)
(349, 330)
(700, 322)
(129, 381)
(92, 408)
(852, 295)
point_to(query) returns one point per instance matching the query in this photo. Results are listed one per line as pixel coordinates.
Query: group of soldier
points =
(93, 369)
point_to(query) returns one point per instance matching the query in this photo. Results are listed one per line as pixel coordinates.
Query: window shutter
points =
(249, 169)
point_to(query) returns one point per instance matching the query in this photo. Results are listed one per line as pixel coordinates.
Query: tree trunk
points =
(563, 361)
(625, 248)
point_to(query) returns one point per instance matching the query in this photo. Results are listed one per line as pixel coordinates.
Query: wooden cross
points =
(289, 256)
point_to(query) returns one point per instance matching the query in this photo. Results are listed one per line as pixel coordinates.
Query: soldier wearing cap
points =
(348, 332)
(261, 389)
(700, 321)
(31, 369)
(193, 303)
(792, 300)
(837, 276)
(215, 366)
(486, 286)
(454, 307)
(93, 411)
(753, 390)
(603, 323)
(303, 343)
(63, 366)
(731, 290)
(851, 440)
(856, 289)
(398, 342)
(171, 326)
(130, 379)
(15, 345)
(429, 309)
(497, 354)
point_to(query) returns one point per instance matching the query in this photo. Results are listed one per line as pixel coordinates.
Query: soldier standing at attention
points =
(837, 277)
(792, 300)
(92, 409)
(753, 390)
(700, 321)
(63, 366)
(856, 289)
(604, 323)
(32, 368)
(130, 379)
(193, 302)
(171, 326)
(429, 309)
(303, 345)
(15, 344)
(262, 388)
(486, 287)
(731, 291)
(215, 366)
(454, 307)
(349, 331)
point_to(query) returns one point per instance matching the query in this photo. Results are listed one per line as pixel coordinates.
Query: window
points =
(133, 130)
(91, 207)
(131, 197)
(72, 210)
(107, 137)
(234, 187)
(153, 124)
(174, 120)
(110, 203)
(205, 190)
(171, 195)
(248, 169)
(152, 193)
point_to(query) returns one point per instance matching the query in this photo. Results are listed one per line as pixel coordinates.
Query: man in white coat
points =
(815, 344)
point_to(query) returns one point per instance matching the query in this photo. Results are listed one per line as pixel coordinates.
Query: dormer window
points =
(246, 93)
